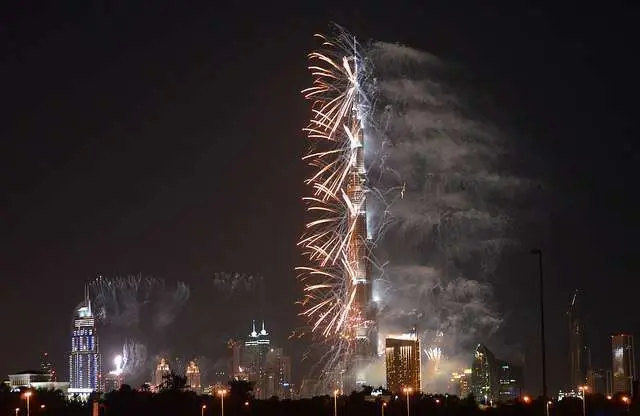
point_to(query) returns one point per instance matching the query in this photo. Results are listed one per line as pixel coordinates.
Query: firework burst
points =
(336, 282)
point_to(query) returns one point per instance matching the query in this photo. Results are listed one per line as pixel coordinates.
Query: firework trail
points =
(437, 207)
(230, 283)
(336, 300)
(135, 310)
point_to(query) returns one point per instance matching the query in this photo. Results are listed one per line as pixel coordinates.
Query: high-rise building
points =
(47, 367)
(278, 373)
(256, 348)
(236, 371)
(484, 377)
(599, 382)
(85, 361)
(162, 371)
(623, 363)
(509, 381)
(461, 383)
(193, 377)
(403, 370)
(579, 351)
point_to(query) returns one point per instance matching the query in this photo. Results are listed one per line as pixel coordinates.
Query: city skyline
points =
(151, 143)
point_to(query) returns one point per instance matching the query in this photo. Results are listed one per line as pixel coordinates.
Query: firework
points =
(337, 284)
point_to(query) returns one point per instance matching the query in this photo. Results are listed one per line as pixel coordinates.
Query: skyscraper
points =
(162, 371)
(402, 354)
(256, 348)
(484, 377)
(193, 377)
(599, 382)
(623, 363)
(85, 361)
(461, 383)
(579, 352)
(47, 367)
(509, 381)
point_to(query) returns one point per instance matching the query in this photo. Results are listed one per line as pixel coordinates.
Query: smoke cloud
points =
(439, 207)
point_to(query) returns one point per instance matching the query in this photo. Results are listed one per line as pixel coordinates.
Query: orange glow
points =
(526, 399)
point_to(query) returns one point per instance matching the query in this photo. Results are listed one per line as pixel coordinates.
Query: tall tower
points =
(579, 352)
(484, 377)
(85, 361)
(193, 377)
(256, 348)
(624, 370)
(162, 371)
(359, 271)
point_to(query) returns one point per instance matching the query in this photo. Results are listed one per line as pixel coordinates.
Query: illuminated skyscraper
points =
(624, 370)
(579, 352)
(509, 381)
(484, 377)
(461, 383)
(162, 371)
(47, 367)
(85, 361)
(256, 348)
(403, 362)
(236, 369)
(278, 372)
(193, 377)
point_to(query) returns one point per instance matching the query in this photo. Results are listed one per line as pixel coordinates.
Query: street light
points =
(384, 404)
(335, 402)
(27, 396)
(204, 406)
(407, 391)
(538, 253)
(222, 393)
(548, 403)
(584, 389)
(626, 401)
(17, 411)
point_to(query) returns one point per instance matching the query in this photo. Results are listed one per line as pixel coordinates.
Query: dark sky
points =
(166, 140)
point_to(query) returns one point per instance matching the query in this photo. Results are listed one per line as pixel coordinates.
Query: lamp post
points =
(27, 396)
(626, 401)
(204, 406)
(538, 252)
(384, 404)
(407, 391)
(335, 402)
(584, 389)
(17, 411)
(42, 407)
(222, 393)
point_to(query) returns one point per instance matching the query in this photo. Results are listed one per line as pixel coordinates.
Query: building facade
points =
(85, 360)
(192, 374)
(579, 351)
(403, 366)
(47, 367)
(509, 381)
(484, 377)
(162, 371)
(599, 382)
(255, 351)
(623, 363)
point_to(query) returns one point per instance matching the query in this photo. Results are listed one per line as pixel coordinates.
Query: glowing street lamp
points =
(17, 411)
(221, 393)
(42, 407)
(384, 404)
(626, 400)
(584, 389)
(204, 406)
(27, 396)
(526, 399)
(407, 391)
(335, 402)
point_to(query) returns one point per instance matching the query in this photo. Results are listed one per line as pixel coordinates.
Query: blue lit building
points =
(85, 361)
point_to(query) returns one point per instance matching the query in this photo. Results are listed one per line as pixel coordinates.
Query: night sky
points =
(165, 140)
